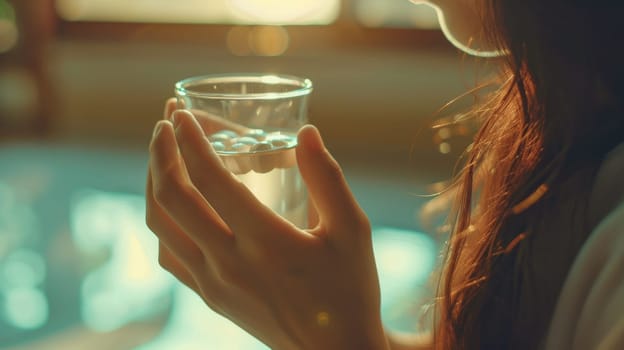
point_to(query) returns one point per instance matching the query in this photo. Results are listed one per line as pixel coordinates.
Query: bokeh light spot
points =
(129, 285)
(71, 10)
(269, 40)
(444, 133)
(18, 95)
(403, 256)
(322, 319)
(8, 35)
(26, 308)
(22, 268)
(238, 41)
(286, 11)
(252, 12)
(445, 148)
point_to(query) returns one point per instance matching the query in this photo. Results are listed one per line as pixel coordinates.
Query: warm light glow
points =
(269, 40)
(71, 10)
(283, 11)
(8, 35)
(18, 95)
(260, 40)
(269, 12)
(445, 148)
(444, 133)
(238, 41)
(322, 319)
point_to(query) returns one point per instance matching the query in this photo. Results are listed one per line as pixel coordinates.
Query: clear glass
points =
(254, 120)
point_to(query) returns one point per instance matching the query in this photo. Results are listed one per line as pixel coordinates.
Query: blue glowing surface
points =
(75, 251)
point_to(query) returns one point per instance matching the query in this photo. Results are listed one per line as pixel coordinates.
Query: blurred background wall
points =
(95, 71)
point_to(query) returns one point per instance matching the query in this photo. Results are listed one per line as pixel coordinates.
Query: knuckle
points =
(212, 305)
(211, 297)
(358, 224)
(228, 277)
(362, 224)
(152, 225)
(165, 262)
(151, 219)
(260, 253)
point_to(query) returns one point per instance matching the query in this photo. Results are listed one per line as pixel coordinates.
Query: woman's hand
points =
(291, 288)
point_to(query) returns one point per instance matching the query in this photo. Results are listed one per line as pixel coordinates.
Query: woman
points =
(539, 186)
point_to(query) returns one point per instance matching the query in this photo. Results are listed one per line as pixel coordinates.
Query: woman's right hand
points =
(291, 288)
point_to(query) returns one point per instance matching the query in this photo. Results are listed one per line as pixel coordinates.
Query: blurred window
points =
(282, 12)
(370, 13)
(395, 14)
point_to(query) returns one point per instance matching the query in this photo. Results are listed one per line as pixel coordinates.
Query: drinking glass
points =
(251, 121)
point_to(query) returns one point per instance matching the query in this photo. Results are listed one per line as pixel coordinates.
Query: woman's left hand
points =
(289, 287)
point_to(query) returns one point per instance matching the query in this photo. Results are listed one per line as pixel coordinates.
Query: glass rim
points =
(302, 86)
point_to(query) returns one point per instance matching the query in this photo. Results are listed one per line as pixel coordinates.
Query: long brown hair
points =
(522, 196)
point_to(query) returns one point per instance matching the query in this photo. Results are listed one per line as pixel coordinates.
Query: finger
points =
(173, 264)
(170, 106)
(326, 184)
(175, 194)
(234, 202)
(168, 232)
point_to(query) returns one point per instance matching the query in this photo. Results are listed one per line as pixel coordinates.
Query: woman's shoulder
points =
(590, 310)
(608, 188)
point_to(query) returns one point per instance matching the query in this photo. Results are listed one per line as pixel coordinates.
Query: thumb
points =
(337, 208)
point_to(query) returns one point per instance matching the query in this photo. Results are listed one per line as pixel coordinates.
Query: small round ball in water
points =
(279, 144)
(261, 147)
(245, 140)
(232, 134)
(218, 146)
(257, 134)
(240, 147)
